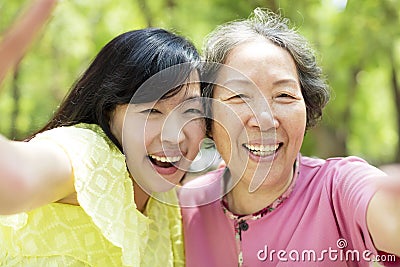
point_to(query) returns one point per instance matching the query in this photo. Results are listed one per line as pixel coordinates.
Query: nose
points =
(172, 131)
(263, 118)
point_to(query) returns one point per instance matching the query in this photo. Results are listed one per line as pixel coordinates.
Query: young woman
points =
(72, 196)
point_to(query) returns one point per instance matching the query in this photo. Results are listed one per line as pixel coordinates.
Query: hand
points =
(21, 34)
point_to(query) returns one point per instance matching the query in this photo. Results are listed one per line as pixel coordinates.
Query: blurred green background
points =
(357, 44)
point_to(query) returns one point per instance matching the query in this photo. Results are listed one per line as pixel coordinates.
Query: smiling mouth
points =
(163, 161)
(262, 150)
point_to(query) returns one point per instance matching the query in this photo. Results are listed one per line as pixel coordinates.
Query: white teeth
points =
(166, 159)
(262, 150)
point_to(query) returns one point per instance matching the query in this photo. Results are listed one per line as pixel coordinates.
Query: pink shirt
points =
(321, 223)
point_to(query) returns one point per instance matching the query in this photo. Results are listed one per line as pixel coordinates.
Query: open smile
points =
(164, 160)
(163, 164)
(262, 150)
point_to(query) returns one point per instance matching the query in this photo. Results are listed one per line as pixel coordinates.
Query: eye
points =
(285, 95)
(150, 111)
(239, 98)
(194, 111)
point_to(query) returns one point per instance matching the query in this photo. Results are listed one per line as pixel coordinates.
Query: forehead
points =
(256, 49)
(163, 85)
(258, 59)
(188, 91)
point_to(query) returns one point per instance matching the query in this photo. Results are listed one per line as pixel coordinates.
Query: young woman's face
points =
(259, 114)
(161, 138)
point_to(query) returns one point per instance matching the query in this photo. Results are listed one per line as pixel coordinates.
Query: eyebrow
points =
(248, 81)
(193, 97)
(288, 80)
(236, 80)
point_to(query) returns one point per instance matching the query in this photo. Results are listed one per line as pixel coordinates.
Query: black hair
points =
(118, 71)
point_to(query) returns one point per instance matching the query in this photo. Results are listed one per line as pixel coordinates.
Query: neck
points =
(141, 197)
(242, 202)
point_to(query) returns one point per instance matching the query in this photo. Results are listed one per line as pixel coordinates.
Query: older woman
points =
(271, 205)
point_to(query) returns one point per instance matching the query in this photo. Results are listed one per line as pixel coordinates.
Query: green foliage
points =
(356, 44)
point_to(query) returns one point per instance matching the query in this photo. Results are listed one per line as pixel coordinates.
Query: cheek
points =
(151, 131)
(300, 116)
(222, 140)
(294, 119)
(195, 130)
(230, 117)
(227, 126)
(220, 126)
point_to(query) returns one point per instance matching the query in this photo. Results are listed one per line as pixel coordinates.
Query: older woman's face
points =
(259, 114)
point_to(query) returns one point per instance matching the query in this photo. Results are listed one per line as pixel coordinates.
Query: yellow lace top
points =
(106, 229)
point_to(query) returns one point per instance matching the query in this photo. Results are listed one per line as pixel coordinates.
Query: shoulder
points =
(82, 142)
(80, 134)
(98, 165)
(338, 165)
(202, 190)
(317, 162)
(341, 176)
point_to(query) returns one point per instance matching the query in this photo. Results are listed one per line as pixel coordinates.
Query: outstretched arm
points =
(32, 174)
(383, 217)
(21, 34)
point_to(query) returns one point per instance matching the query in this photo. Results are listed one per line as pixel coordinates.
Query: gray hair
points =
(264, 23)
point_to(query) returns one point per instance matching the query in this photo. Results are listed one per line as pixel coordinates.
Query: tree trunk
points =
(16, 94)
(146, 12)
(396, 91)
(343, 132)
(270, 4)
